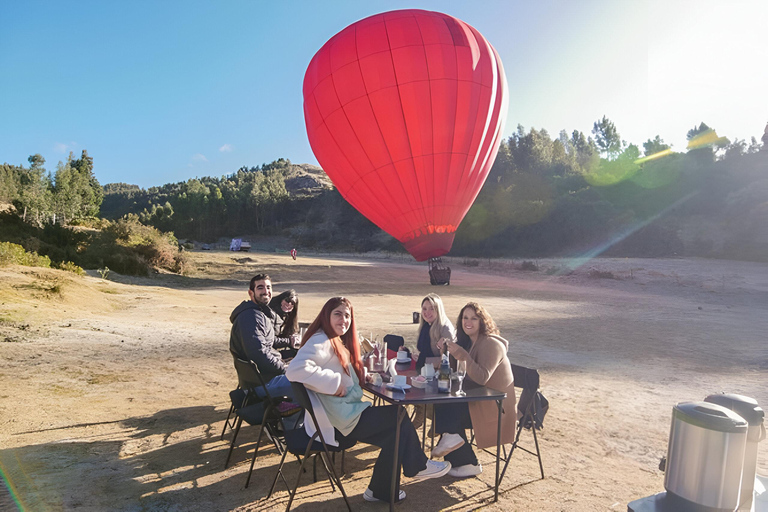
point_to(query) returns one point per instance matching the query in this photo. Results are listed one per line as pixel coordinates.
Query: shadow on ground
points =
(173, 461)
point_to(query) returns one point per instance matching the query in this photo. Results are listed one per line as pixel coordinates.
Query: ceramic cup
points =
(399, 380)
(402, 355)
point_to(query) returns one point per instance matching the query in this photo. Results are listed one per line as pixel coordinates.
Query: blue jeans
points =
(281, 386)
(278, 386)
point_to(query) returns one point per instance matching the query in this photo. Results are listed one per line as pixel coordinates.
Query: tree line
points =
(72, 192)
(572, 194)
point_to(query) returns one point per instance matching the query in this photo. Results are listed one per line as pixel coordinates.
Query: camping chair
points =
(237, 397)
(532, 413)
(301, 445)
(266, 411)
(233, 398)
(532, 416)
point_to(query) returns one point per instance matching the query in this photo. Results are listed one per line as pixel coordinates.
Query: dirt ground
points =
(113, 393)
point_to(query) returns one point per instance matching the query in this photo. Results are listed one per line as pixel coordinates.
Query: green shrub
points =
(128, 247)
(71, 267)
(529, 265)
(14, 254)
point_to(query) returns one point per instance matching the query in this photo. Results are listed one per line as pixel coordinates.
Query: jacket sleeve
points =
(448, 331)
(307, 367)
(485, 363)
(258, 347)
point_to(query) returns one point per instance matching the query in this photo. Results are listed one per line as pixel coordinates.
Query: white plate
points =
(401, 388)
(406, 360)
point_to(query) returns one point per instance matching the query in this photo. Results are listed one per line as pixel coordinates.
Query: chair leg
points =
(536, 441)
(255, 453)
(226, 423)
(278, 474)
(338, 482)
(232, 443)
(298, 477)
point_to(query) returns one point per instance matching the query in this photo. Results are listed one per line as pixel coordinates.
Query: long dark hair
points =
(290, 320)
(346, 347)
(487, 325)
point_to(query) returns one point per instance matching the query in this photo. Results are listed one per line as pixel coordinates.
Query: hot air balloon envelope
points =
(404, 112)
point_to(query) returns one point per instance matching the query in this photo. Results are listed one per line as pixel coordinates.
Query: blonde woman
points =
(433, 326)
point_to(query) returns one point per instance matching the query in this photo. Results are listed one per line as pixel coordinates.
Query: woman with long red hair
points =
(330, 367)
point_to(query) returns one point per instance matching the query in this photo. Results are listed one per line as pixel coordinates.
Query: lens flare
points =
(706, 138)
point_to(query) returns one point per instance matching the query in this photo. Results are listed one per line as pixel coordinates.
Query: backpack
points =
(541, 406)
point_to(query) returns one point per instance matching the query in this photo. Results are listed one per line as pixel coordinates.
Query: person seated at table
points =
(479, 344)
(433, 326)
(286, 308)
(329, 365)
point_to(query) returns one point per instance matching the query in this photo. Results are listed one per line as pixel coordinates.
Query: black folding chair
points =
(303, 446)
(263, 411)
(227, 423)
(532, 415)
(394, 342)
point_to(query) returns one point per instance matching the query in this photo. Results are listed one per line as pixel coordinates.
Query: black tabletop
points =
(430, 395)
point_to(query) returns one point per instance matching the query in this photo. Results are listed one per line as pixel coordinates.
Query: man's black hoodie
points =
(253, 337)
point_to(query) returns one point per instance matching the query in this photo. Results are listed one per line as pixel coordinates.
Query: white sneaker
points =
(447, 444)
(434, 469)
(368, 495)
(466, 470)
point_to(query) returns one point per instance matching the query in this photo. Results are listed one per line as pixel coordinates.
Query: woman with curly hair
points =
(479, 344)
(329, 365)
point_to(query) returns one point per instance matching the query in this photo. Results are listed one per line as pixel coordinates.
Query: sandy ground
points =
(113, 393)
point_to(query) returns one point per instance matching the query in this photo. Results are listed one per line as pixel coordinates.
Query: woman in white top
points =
(329, 365)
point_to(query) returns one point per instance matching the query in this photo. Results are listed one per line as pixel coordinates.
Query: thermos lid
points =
(744, 406)
(709, 416)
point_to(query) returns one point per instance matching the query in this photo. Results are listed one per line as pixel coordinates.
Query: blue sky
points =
(160, 92)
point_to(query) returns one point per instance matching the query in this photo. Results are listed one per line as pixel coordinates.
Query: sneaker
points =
(447, 444)
(434, 469)
(368, 495)
(466, 470)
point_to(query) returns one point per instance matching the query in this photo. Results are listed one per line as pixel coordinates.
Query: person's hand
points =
(295, 340)
(455, 350)
(342, 391)
(441, 342)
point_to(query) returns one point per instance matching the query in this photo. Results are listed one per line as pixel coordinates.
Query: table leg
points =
(498, 451)
(424, 431)
(396, 466)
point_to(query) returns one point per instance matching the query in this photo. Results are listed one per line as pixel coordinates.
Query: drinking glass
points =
(461, 372)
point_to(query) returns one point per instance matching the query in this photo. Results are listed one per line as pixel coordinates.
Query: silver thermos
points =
(705, 457)
(748, 409)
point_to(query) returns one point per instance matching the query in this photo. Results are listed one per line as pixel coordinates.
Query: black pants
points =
(455, 419)
(376, 427)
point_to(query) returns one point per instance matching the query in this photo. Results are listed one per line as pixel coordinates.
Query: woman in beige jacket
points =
(479, 344)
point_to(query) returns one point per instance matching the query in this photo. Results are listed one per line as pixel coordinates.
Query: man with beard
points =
(253, 336)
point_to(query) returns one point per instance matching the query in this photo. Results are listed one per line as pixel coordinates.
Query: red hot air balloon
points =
(405, 111)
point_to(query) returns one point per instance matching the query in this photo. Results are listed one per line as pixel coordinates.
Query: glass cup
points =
(461, 372)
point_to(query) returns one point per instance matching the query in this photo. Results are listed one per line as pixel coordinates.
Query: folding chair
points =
(300, 444)
(231, 424)
(528, 380)
(255, 410)
(394, 342)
